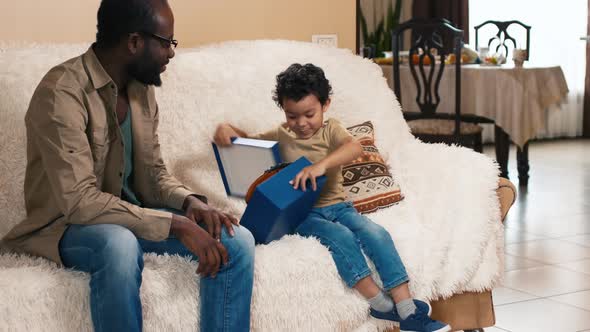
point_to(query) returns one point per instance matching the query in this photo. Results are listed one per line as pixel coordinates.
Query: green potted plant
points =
(379, 40)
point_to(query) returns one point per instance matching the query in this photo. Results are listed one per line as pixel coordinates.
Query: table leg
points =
(522, 159)
(502, 143)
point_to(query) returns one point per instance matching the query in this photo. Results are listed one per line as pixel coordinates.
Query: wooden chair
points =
(432, 42)
(501, 39)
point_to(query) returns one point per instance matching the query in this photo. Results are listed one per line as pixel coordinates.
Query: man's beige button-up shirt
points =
(75, 160)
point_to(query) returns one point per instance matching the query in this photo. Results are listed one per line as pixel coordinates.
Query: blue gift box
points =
(275, 208)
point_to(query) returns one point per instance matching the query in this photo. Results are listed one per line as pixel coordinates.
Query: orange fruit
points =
(416, 60)
(451, 59)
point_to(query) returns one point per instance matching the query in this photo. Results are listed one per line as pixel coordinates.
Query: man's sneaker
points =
(421, 306)
(420, 322)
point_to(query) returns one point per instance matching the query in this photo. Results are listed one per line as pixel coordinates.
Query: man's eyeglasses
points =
(166, 43)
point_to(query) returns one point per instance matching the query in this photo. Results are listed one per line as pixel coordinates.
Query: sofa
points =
(448, 228)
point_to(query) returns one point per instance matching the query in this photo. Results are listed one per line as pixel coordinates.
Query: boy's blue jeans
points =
(114, 258)
(345, 232)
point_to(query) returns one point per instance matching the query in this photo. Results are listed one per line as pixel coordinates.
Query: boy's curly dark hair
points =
(299, 81)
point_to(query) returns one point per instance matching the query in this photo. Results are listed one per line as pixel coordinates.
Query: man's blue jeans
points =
(345, 232)
(114, 258)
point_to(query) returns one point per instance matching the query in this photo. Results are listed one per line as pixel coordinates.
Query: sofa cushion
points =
(442, 127)
(368, 182)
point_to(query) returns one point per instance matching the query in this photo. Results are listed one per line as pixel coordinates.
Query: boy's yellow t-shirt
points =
(329, 137)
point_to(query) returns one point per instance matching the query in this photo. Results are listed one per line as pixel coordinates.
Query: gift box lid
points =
(243, 161)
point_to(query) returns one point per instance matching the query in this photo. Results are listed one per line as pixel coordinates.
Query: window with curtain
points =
(556, 28)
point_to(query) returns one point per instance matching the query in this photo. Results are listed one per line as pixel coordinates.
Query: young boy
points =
(303, 92)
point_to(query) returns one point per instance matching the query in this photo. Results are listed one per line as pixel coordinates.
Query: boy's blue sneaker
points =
(420, 322)
(421, 306)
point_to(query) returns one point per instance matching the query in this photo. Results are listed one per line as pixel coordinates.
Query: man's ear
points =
(135, 43)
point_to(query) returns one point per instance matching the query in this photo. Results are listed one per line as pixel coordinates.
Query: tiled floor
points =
(547, 280)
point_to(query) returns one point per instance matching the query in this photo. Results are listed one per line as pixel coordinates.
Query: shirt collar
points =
(96, 71)
(101, 78)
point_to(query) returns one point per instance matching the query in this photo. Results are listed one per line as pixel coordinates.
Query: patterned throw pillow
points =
(367, 180)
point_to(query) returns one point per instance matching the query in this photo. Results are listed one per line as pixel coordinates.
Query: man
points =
(94, 167)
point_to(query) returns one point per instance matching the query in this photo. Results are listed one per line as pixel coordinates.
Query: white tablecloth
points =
(516, 98)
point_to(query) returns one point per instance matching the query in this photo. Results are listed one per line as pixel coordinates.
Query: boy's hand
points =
(224, 134)
(308, 173)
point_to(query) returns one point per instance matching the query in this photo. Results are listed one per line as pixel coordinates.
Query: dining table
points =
(517, 99)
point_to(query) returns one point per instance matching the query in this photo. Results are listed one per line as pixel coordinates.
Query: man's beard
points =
(146, 70)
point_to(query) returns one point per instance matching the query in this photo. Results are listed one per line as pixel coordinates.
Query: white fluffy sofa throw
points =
(447, 229)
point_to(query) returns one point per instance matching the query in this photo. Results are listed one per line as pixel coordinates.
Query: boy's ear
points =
(326, 105)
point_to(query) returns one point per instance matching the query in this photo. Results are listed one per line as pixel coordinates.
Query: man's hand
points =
(198, 212)
(310, 172)
(224, 134)
(211, 253)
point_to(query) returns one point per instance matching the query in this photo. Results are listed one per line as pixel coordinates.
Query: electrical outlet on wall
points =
(326, 40)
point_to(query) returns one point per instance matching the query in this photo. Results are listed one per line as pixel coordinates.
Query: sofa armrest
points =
(446, 178)
(452, 204)
(506, 195)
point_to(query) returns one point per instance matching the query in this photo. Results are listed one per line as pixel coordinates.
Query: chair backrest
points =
(432, 42)
(502, 38)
